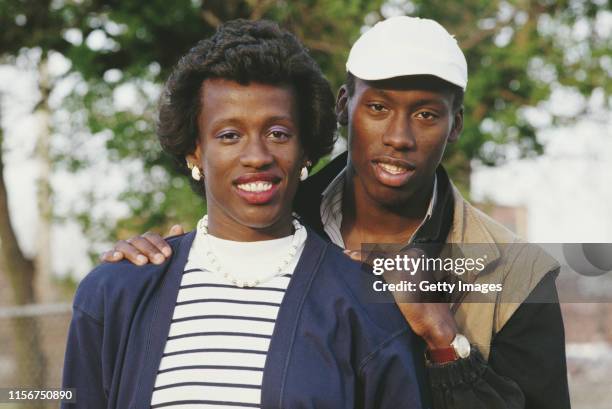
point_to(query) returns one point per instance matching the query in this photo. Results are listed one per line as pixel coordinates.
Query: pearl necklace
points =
(299, 237)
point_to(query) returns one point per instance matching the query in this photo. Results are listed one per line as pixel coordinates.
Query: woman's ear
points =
(194, 158)
(194, 162)
(191, 161)
(342, 106)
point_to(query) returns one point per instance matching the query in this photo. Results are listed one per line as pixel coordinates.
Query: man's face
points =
(398, 130)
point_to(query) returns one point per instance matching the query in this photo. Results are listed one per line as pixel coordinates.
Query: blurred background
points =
(80, 166)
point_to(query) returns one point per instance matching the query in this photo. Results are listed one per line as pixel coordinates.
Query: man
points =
(402, 103)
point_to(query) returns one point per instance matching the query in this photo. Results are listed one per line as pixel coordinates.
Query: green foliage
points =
(519, 52)
(35, 23)
(144, 44)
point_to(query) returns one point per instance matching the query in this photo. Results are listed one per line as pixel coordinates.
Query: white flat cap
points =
(405, 45)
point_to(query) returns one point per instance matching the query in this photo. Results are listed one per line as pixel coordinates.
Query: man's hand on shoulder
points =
(146, 248)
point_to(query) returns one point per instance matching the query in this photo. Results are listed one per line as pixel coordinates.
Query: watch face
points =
(462, 346)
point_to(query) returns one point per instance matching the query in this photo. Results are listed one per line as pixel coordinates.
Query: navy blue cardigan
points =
(329, 349)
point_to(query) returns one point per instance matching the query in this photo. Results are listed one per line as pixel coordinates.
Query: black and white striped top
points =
(219, 336)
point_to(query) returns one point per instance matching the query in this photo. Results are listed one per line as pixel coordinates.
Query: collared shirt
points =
(331, 208)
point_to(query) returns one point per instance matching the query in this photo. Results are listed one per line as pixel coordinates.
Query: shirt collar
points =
(331, 209)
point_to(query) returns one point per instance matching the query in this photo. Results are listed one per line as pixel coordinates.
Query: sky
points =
(567, 191)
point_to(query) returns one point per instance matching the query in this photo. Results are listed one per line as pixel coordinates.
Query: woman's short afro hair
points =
(246, 51)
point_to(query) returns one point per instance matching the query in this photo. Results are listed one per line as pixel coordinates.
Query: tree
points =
(27, 25)
(34, 25)
(137, 49)
(20, 273)
(519, 53)
(515, 54)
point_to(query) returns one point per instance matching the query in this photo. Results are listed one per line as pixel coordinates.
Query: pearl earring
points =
(304, 173)
(195, 171)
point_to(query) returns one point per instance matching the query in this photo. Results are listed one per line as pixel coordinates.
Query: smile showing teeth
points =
(255, 186)
(394, 170)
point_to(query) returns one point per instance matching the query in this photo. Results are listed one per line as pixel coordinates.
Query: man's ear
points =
(342, 106)
(457, 126)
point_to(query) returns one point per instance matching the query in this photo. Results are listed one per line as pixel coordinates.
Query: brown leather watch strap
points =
(441, 355)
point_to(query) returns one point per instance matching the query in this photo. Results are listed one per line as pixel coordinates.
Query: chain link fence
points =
(33, 340)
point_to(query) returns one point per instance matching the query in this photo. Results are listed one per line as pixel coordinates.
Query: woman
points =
(253, 309)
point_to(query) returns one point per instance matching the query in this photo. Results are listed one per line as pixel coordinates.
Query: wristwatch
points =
(459, 348)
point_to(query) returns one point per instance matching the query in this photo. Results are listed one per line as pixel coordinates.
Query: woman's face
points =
(250, 153)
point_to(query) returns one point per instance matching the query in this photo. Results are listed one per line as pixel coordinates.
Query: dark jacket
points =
(328, 349)
(523, 366)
